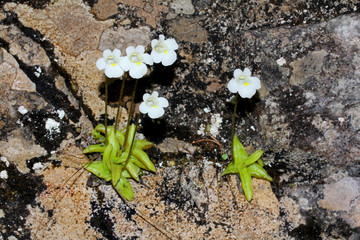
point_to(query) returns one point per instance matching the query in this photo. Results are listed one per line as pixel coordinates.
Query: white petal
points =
(100, 64)
(155, 94)
(157, 57)
(113, 71)
(143, 108)
(125, 64)
(247, 72)
(146, 96)
(153, 43)
(138, 71)
(161, 37)
(171, 43)
(163, 102)
(233, 86)
(247, 92)
(106, 53)
(140, 49)
(156, 112)
(129, 50)
(169, 58)
(237, 73)
(255, 82)
(148, 59)
(117, 52)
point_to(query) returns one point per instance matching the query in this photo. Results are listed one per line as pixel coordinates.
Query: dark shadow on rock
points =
(159, 75)
(154, 130)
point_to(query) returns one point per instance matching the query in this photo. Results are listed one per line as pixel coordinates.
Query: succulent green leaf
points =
(124, 188)
(239, 153)
(254, 157)
(106, 157)
(257, 171)
(246, 183)
(122, 158)
(94, 148)
(260, 162)
(97, 168)
(138, 163)
(97, 135)
(144, 158)
(100, 128)
(143, 144)
(133, 170)
(120, 137)
(231, 168)
(115, 174)
(125, 174)
(130, 136)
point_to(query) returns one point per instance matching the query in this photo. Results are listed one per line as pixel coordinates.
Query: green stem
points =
(106, 106)
(120, 97)
(233, 119)
(130, 111)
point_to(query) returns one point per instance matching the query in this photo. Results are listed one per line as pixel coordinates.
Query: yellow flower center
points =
(111, 60)
(113, 64)
(161, 46)
(152, 102)
(135, 58)
(246, 84)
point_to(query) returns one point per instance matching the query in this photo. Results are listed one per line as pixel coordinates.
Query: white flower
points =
(153, 105)
(111, 63)
(164, 50)
(135, 61)
(244, 84)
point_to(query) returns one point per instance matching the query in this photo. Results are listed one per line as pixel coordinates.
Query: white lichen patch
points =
(19, 122)
(38, 71)
(61, 113)
(201, 130)
(207, 110)
(310, 97)
(52, 126)
(281, 62)
(4, 174)
(38, 166)
(22, 110)
(216, 121)
(4, 159)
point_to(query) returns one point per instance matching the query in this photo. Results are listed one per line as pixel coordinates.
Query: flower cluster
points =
(136, 60)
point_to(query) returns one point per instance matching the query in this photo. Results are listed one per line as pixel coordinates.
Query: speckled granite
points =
(305, 118)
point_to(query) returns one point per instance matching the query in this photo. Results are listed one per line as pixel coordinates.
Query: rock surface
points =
(306, 118)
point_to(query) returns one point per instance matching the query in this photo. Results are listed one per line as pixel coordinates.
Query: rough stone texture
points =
(150, 10)
(343, 196)
(12, 76)
(75, 38)
(305, 118)
(122, 38)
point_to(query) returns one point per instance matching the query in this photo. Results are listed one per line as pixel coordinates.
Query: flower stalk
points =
(119, 102)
